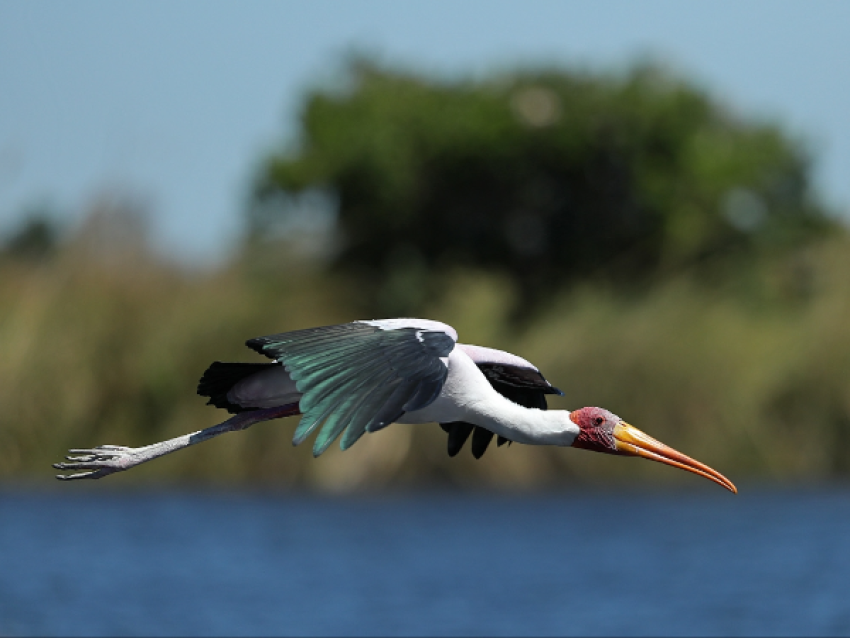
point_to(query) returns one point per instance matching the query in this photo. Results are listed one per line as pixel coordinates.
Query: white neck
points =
(525, 425)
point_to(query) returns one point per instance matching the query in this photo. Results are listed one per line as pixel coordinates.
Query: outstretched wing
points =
(360, 377)
(511, 376)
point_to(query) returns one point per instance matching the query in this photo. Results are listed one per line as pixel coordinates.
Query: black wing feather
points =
(524, 387)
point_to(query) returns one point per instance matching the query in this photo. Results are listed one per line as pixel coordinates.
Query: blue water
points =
(97, 562)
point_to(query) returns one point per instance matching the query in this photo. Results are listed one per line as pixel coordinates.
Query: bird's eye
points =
(599, 420)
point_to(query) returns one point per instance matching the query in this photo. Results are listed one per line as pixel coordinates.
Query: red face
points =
(596, 429)
(602, 431)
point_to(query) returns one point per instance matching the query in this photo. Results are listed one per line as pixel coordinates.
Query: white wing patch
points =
(481, 355)
(419, 324)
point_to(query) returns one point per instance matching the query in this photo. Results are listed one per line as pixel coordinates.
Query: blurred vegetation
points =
(548, 177)
(667, 261)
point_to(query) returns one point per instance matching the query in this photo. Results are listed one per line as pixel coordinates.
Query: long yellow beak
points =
(631, 441)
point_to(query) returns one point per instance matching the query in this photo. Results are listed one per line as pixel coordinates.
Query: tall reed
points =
(750, 375)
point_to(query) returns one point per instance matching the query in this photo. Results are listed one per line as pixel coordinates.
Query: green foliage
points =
(549, 177)
(34, 240)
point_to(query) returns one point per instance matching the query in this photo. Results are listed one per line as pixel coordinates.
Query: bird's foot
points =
(99, 461)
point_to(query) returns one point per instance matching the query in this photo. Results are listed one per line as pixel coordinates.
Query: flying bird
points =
(349, 379)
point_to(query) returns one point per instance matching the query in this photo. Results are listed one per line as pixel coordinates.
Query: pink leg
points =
(104, 460)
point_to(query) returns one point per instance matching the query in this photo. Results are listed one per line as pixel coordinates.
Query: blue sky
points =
(177, 101)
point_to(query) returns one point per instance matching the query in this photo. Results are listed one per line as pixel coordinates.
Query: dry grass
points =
(107, 348)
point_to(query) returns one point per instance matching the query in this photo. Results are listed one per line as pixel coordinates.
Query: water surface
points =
(98, 562)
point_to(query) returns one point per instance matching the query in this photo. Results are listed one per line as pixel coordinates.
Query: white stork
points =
(360, 377)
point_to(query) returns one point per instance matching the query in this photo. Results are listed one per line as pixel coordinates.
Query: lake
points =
(96, 561)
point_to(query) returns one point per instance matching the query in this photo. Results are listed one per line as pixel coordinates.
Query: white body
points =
(468, 396)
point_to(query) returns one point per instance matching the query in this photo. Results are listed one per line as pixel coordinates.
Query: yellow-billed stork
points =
(360, 377)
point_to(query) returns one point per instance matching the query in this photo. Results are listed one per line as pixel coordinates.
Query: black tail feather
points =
(221, 376)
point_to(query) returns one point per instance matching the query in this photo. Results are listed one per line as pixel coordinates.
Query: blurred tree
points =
(35, 238)
(547, 176)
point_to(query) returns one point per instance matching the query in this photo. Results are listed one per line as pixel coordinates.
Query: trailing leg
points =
(104, 460)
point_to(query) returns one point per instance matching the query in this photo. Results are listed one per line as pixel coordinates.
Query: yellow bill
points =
(632, 442)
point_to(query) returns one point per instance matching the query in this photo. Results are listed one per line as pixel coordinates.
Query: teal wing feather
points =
(358, 377)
